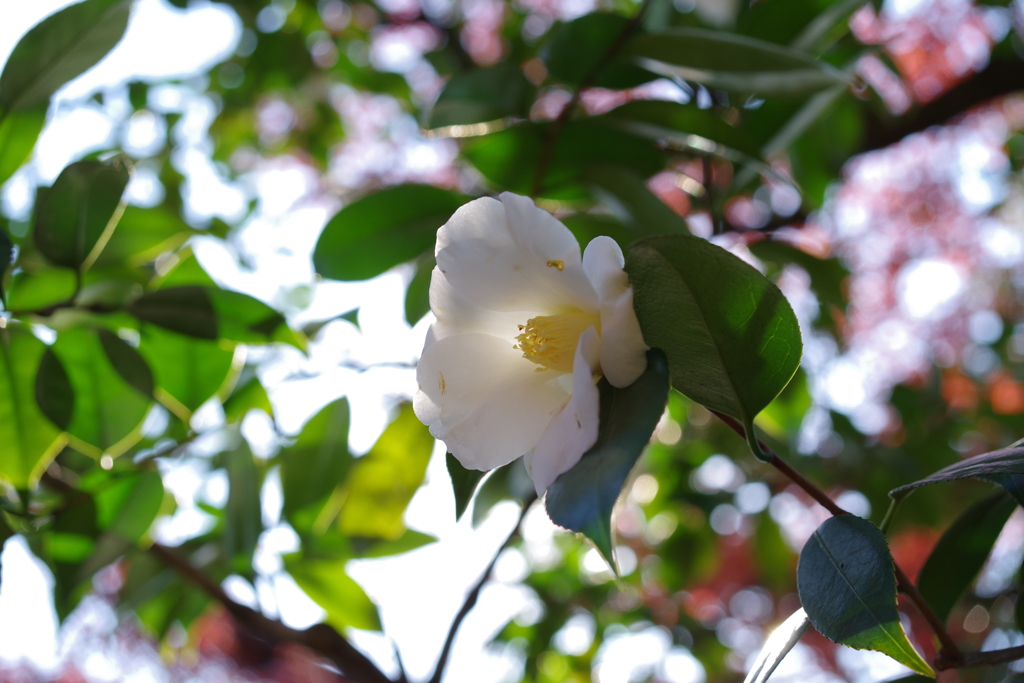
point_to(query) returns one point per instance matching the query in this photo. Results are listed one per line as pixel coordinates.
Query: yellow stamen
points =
(550, 340)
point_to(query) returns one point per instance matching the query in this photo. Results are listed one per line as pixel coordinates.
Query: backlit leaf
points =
(464, 483)
(18, 133)
(187, 371)
(319, 460)
(326, 582)
(243, 521)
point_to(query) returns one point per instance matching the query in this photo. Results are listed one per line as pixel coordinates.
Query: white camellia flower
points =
(524, 330)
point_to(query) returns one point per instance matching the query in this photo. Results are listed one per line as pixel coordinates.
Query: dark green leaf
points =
(778, 645)
(625, 194)
(848, 588)
(962, 551)
(678, 123)
(107, 409)
(483, 95)
(828, 275)
(58, 49)
(29, 441)
(580, 46)
(326, 582)
(19, 131)
(6, 257)
(417, 295)
(464, 483)
(731, 62)
(509, 158)
(382, 230)
(54, 393)
(582, 498)
(587, 226)
(187, 371)
(210, 313)
(318, 461)
(127, 361)
(243, 521)
(79, 213)
(985, 466)
(731, 338)
(383, 481)
(508, 482)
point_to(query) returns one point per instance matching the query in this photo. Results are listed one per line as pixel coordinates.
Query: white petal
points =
(456, 314)
(623, 351)
(574, 429)
(512, 256)
(484, 400)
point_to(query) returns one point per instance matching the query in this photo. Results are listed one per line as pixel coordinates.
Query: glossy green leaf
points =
(143, 235)
(625, 194)
(78, 214)
(961, 552)
(847, 586)
(382, 230)
(417, 295)
(187, 371)
(243, 521)
(828, 275)
(483, 95)
(509, 158)
(686, 126)
(731, 338)
(318, 461)
(210, 313)
(326, 582)
(464, 483)
(383, 481)
(246, 396)
(19, 131)
(29, 440)
(38, 290)
(582, 45)
(58, 49)
(777, 646)
(582, 498)
(733, 62)
(107, 407)
(1004, 461)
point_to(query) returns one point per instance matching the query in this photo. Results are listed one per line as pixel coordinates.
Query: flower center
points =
(550, 340)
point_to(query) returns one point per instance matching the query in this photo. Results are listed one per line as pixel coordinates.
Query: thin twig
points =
(944, 661)
(472, 597)
(320, 638)
(547, 150)
(949, 648)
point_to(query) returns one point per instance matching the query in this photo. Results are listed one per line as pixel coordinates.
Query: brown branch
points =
(1000, 77)
(319, 638)
(949, 648)
(472, 597)
(943, 661)
(547, 150)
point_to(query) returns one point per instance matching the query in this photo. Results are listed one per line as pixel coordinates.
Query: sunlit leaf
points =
(78, 214)
(417, 295)
(732, 340)
(143, 235)
(730, 61)
(382, 230)
(318, 461)
(29, 440)
(246, 396)
(187, 371)
(38, 290)
(847, 586)
(961, 552)
(18, 133)
(107, 408)
(482, 95)
(326, 582)
(582, 498)
(58, 49)
(384, 480)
